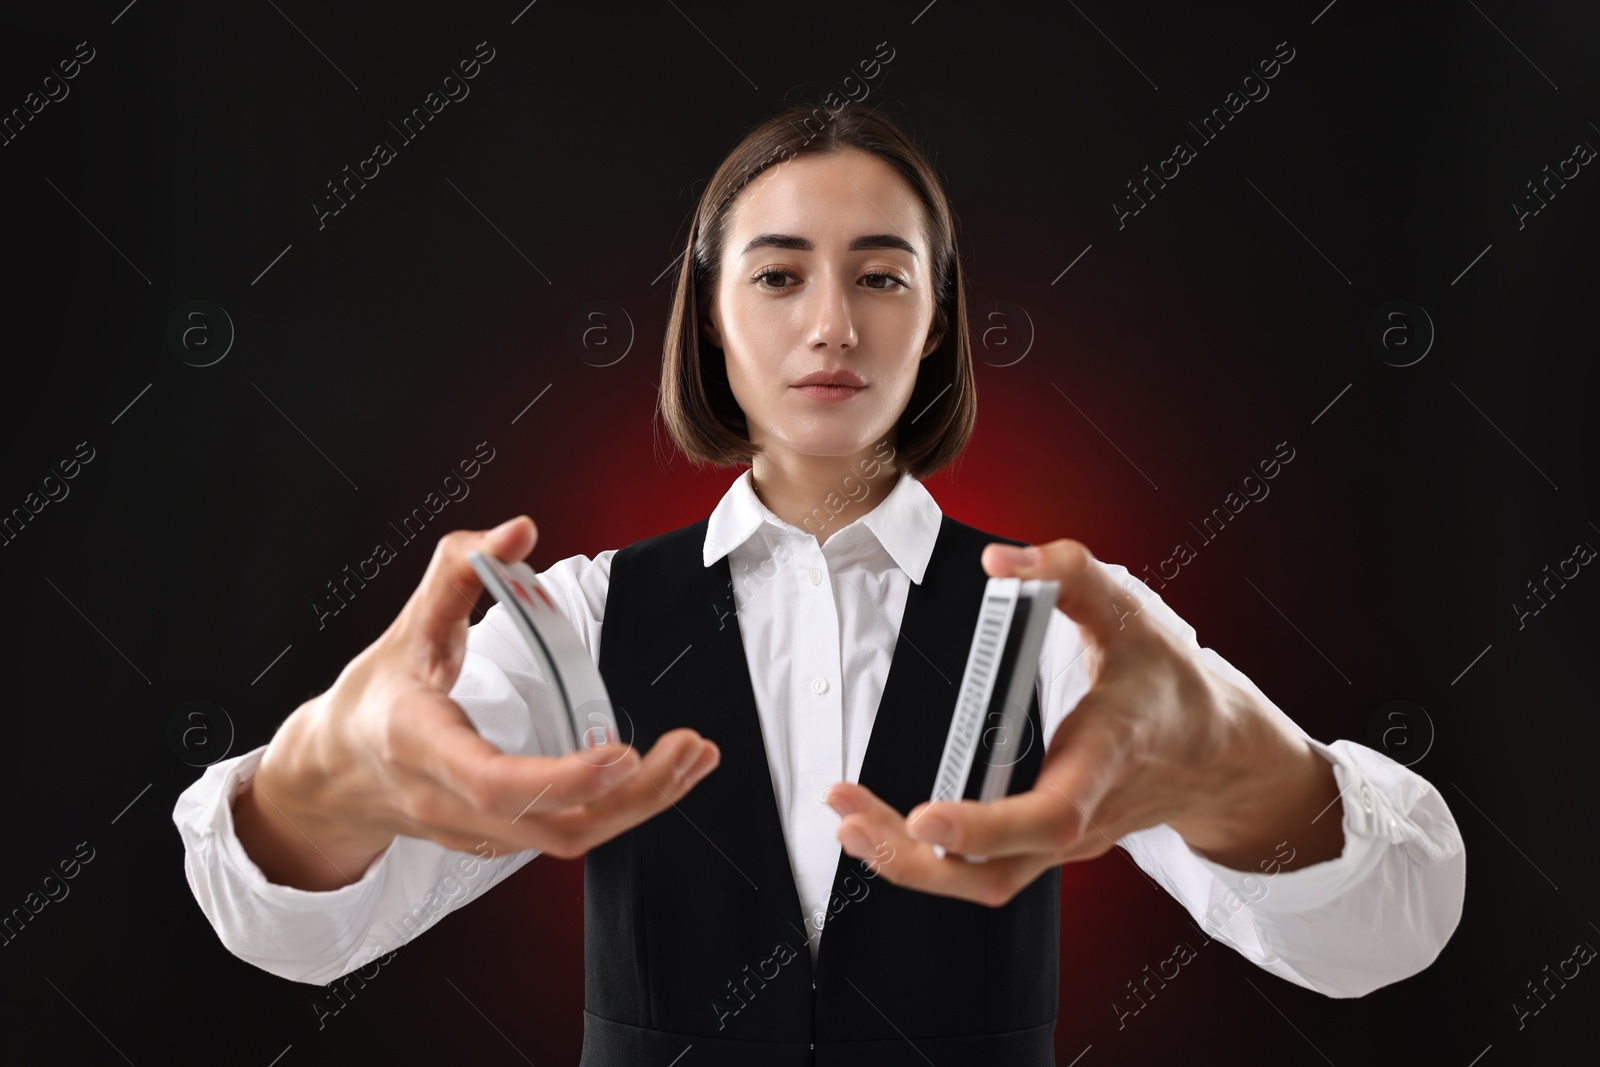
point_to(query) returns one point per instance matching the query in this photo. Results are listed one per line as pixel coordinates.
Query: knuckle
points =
(388, 742)
(565, 844)
(882, 868)
(452, 545)
(1066, 832)
(484, 797)
(996, 894)
(1075, 555)
(422, 807)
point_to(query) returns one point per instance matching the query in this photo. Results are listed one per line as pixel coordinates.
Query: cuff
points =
(207, 807)
(1370, 823)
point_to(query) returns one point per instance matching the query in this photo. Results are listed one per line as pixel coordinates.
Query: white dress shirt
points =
(819, 625)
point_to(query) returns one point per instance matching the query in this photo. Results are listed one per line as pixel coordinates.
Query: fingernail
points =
(504, 528)
(1020, 557)
(841, 803)
(933, 828)
(855, 842)
(688, 759)
(708, 763)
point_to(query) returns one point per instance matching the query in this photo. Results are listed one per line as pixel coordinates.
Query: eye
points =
(772, 272)
(890, 280)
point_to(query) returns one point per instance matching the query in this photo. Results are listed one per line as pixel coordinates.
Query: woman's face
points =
(825, 268)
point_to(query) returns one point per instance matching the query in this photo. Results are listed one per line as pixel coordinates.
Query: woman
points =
(805, 638)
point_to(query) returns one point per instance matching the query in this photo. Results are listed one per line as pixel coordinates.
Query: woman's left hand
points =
(1158, 738)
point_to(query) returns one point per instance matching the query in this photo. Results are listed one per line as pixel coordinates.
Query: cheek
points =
(758, 338)
(763, 330)
(770, 330)
(905, 325)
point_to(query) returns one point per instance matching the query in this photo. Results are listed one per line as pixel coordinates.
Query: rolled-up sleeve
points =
(1379, 912)
(317, 936)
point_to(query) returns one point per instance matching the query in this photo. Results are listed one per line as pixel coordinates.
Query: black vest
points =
(694, 933)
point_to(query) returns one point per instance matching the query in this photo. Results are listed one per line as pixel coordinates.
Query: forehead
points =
(829, 198)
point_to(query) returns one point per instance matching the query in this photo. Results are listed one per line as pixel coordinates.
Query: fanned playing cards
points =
(587, 719)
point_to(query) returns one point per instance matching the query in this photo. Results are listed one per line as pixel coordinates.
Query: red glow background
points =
(1036, 469)
(1168, 357)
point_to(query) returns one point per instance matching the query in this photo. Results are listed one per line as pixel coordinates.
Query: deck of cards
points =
(990, 726)
(587, 717)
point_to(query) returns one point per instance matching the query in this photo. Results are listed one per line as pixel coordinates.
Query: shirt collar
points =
(906, 523)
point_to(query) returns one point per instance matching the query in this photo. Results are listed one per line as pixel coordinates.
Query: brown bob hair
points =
(698, 407)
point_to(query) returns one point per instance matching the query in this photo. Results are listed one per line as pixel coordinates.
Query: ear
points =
(936, 333)
(708, 320)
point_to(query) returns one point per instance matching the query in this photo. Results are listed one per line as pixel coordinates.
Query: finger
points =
(875, 833)
(504, 786)
(436, 615)
(1028, 823)
(562, 805)
(1088, 595)
(1056, 816)
(677, 763)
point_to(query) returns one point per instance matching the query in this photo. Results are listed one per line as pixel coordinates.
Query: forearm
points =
(310, 936)
(291, 932)
(1296, 800)
(1380, 911)
(302, 853)
(1341, 887)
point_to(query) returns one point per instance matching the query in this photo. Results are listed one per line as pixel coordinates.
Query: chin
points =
(827, 444)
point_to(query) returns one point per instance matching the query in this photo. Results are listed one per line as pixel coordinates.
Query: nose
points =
(831, 322)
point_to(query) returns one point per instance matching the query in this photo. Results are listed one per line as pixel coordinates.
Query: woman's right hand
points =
(385, 752)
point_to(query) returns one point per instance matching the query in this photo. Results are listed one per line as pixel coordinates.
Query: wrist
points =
(293, 842)
(1277, 788)
(300, 851)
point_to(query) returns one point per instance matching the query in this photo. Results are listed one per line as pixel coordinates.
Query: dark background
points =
(372, 354)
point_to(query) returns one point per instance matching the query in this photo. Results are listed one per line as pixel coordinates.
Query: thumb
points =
(437, 613)
(1088, 596)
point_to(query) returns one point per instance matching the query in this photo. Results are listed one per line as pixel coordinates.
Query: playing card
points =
(990, 727)
(557, 650)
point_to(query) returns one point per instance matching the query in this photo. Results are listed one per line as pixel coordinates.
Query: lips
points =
(830, 394)
(833, 378)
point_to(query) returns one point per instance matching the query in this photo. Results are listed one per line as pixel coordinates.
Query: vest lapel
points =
(914, 712)
(692, 920)
(913, 715)
(903, 748)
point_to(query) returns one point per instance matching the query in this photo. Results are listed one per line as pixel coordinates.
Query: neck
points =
(822, 494)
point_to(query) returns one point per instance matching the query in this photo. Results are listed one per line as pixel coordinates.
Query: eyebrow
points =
(801, 244)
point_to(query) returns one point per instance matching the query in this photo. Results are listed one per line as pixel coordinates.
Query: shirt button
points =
(816, 576)
(819, 686)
